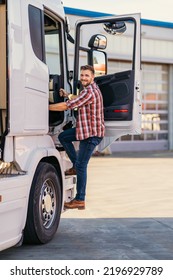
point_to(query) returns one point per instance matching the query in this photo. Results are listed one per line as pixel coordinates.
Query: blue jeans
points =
(81, 158)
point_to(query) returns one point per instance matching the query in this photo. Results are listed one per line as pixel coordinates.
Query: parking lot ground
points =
(129, 213)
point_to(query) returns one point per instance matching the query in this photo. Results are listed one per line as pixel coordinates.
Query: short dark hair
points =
(88, 67)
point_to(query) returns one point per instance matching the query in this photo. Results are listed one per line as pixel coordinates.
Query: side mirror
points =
(99, 61)
(98, 41)
(115, 28)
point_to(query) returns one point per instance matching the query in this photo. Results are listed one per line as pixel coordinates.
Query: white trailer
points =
(33, 67)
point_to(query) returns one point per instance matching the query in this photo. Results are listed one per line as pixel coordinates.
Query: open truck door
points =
(120, 89)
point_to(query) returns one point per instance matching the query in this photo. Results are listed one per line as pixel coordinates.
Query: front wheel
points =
(44, 207)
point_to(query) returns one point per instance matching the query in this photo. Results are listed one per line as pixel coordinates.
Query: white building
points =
(157, 81)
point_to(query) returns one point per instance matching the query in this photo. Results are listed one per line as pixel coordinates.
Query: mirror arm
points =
(83, 49)
(70, 38)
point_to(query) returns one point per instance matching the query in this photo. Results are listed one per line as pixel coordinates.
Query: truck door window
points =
(45, 39)
(36, 31)
(45, 32)
(52, 45)
(118, 87)
(54, 61)
(3, 78)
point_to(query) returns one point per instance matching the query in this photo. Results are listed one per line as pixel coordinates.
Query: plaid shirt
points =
(90, 120)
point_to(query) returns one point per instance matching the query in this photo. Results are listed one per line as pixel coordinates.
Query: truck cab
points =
(33, 67)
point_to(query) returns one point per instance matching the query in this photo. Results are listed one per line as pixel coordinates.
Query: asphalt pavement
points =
(128, 216)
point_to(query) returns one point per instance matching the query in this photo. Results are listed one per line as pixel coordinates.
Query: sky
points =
(160, 10)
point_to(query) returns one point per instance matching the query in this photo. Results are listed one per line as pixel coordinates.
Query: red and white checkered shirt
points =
(90, 119)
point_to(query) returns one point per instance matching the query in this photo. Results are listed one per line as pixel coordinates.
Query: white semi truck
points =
(33, 67)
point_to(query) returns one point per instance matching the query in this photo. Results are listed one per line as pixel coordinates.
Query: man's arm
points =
(73, 102)
(62, 106)
(63, 93)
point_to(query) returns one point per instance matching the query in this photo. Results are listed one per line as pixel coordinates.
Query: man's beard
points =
(85, 84)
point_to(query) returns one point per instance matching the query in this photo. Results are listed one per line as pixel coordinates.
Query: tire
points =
(44, 207)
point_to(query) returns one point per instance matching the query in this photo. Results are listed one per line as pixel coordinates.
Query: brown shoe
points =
(80, 204)
(70, 171)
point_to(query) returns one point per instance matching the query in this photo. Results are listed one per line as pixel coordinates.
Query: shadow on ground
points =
(99, 239)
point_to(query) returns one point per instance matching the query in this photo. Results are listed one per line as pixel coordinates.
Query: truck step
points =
(70, 181)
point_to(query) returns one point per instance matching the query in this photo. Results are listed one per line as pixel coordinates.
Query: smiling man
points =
(89, 131)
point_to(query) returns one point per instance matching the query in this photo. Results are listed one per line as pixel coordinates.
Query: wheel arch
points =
(31, 226)
(51, 157)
